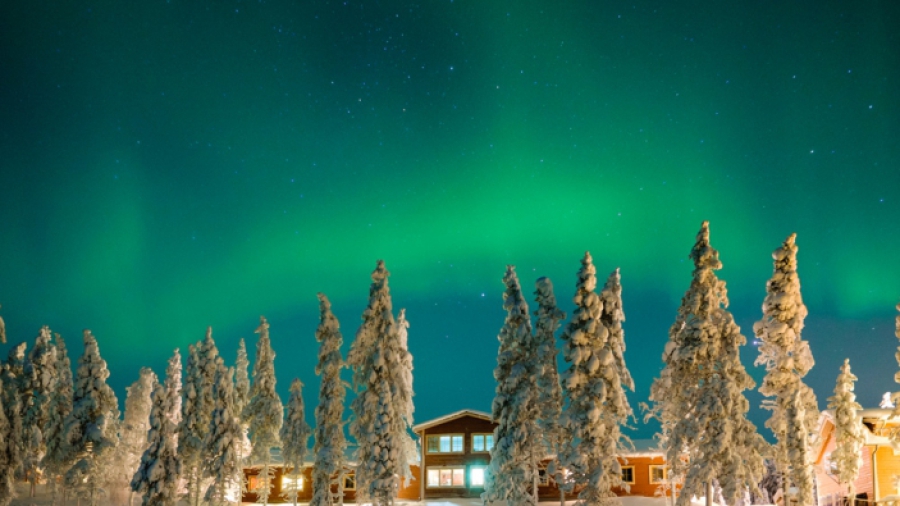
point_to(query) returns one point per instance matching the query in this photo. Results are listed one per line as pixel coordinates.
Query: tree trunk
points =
(709, 491)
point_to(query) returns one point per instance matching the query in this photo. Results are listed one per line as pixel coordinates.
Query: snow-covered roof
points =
(868, 415)
(644, 448)
(452, 416)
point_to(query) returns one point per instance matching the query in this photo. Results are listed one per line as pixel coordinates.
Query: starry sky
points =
(168, 165)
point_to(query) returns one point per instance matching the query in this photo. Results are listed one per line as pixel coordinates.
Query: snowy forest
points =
(187, 433)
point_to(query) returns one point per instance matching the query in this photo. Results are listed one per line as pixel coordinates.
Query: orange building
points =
(880, 464)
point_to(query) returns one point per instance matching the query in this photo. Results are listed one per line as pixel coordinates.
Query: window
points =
(476, 476)
(482, 442)
(288, 482)
(350, 481)
(446, 476)
(543, 478)
(658, 474)
(628, 474)
(446, 443)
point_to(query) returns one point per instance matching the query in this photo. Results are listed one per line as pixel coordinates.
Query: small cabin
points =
(880, 462)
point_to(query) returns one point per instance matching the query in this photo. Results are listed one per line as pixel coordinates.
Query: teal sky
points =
(168, 165)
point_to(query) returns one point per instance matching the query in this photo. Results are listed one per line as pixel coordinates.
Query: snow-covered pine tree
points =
(264, 411)
(2, 331)
(241, 379)
(90, 430)
(549, 402)
(617, 378)
(40, 379)
(54, 461)
(135, 426)
(704, 390)
(222, 442)
(241, 398)
(515, 454)
(402, 393)
(7, 458)
(596, 406)
(848, 429)
(787, 359)
(173, 392)
(329, 441)
(295, 433)
(193, 426)
(377, 322)
(18, 395)
(156, 478)
(895, 397)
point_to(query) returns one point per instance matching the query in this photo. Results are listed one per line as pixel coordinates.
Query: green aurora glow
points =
(172, 165)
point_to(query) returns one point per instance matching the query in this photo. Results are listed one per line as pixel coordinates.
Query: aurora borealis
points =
(168, 165)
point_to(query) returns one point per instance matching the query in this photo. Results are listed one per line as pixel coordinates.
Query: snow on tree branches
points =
(382, 409)
(135, 426)
(295, 433)
(329, 441)
(54, 461)
(517, 438)
(700, 393)
(40, 380)
(222, 442)
(597, 407)
(264, 411)
(848, 427)
(788, 359)
(7, 456)
(156, 478)
(90, 431)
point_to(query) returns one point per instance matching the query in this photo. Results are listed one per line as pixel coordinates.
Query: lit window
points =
(446, 476)
(658, 474)
(448, 443)
(543, 478)
(476, 476)
(628, 474)
(482, 442)
(350, 481)
(289, 483)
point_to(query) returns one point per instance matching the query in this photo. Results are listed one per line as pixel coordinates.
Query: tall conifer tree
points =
(788, 359)
(295, 433)
(329, 439)
(264, 411)
(848, 430)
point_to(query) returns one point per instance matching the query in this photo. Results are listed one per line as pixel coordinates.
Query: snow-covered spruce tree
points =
(241, 398)
(517, 447)
(596, 406)
(329, 439)
(7, 457)
(40, 380)
(704, 390)
(295, 433)
(377, 322)
(90, 430)
(135, 426)
(156, 478)
(222, 442)
(383, 406)
(241, 378)
(848, 429)
(17, 396)
(54, 462)
(193, 426)
(2, 331)
(549, 399)
(402, 392)
(173, 392)
(895, 398)
(264, 411)
(787, 359)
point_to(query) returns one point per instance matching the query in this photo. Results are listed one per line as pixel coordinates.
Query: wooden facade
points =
(880, 463)
(453, 458)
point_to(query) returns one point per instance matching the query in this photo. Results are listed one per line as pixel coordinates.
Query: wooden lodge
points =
(454, 453)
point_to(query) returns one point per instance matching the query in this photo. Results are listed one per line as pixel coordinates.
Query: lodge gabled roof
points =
(452, 416)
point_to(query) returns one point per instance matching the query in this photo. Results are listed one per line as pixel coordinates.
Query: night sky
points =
(168, 165)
